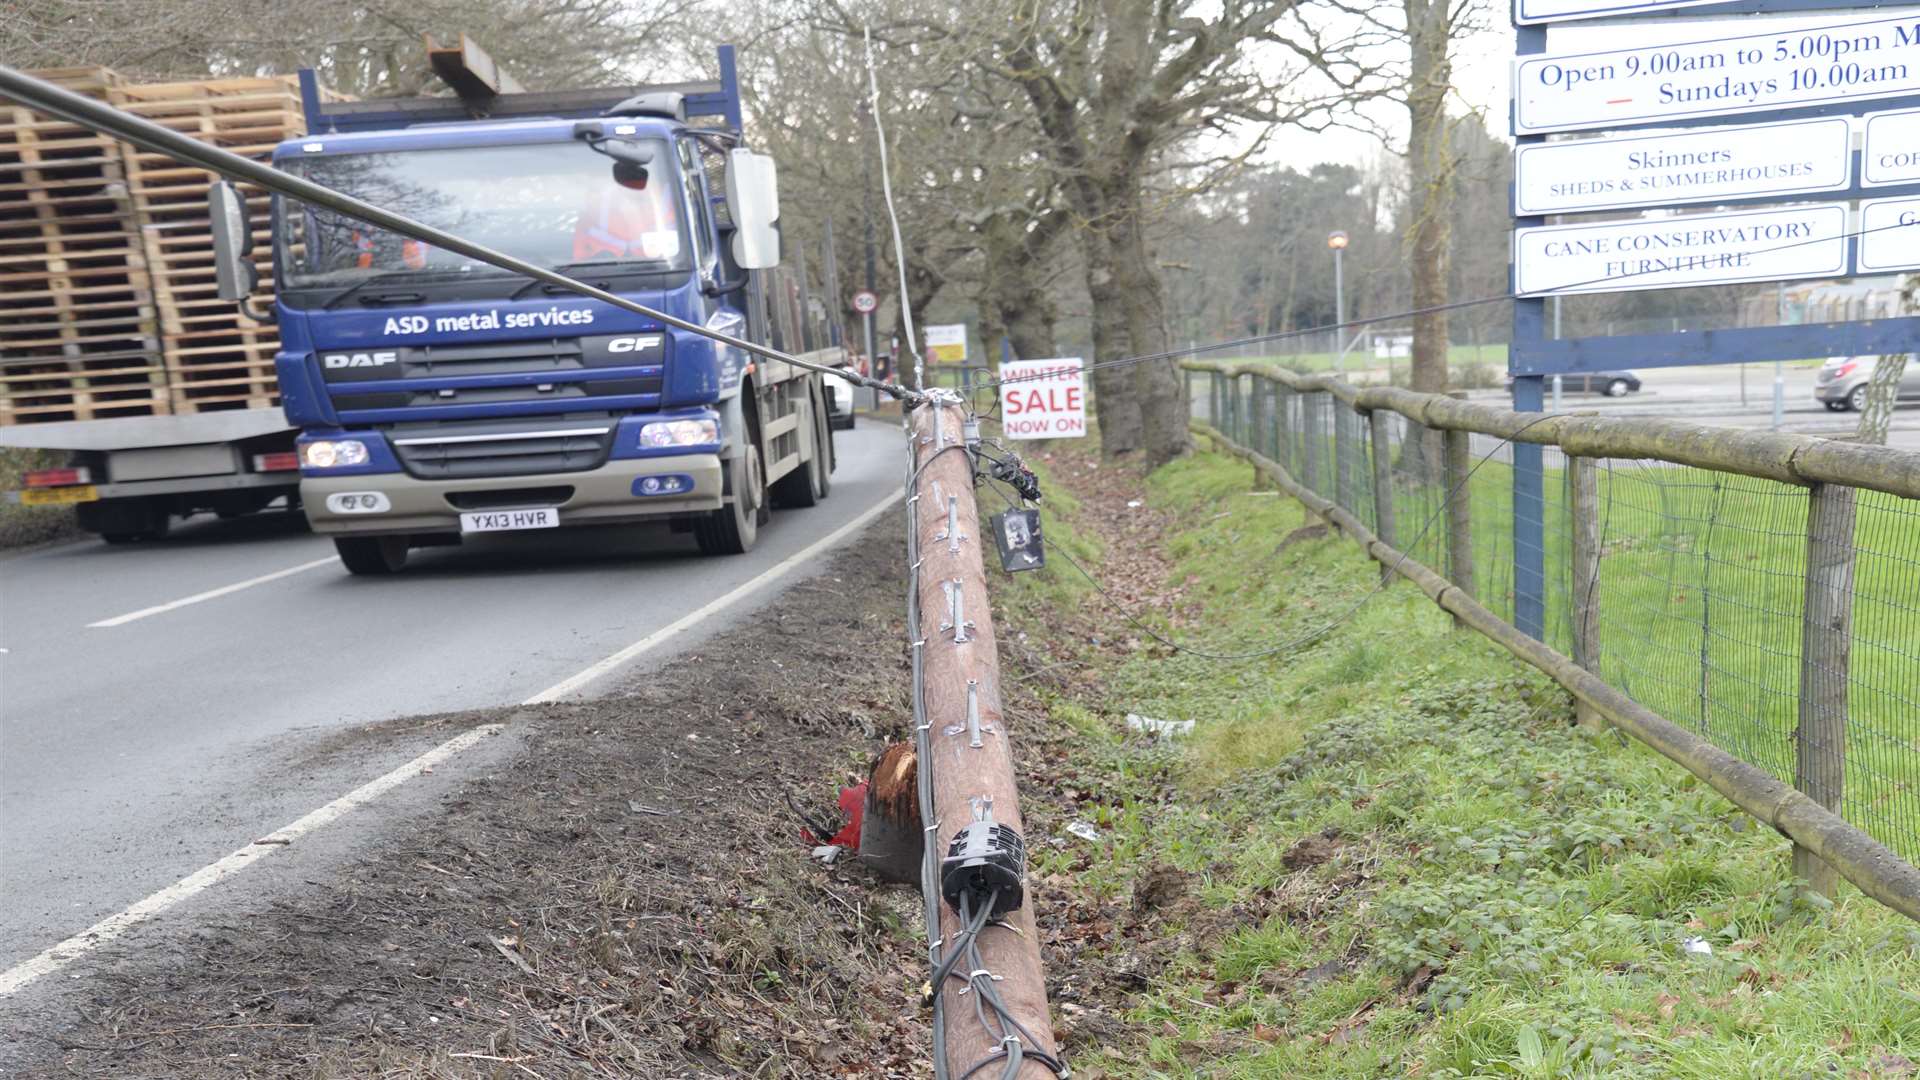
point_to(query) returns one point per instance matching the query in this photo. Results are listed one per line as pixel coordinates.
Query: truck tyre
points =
(126, 521)
(811, 482)
(372, 555)
(732, 529)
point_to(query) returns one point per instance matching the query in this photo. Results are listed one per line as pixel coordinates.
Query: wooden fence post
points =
(970, 755)
(1343, 454)
(1312, 441)
(1583, 477)
(1257, 427)
(1826, 646)
(1381, 439)
(1459, 496)
(1284, 399)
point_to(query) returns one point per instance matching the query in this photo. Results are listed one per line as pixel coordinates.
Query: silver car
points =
(1842, 382)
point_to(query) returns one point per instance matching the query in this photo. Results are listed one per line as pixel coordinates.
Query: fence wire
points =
(1699, 592)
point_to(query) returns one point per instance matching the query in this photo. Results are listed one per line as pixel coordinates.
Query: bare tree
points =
(362, 48)
(1883, 386)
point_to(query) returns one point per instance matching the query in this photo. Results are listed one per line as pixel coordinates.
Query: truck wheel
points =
(374, 555)
(732, 529)
(126, 521)
(811, 482)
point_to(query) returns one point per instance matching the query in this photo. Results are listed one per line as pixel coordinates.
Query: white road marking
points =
(113, 926)
(212, 594)
(575, 682)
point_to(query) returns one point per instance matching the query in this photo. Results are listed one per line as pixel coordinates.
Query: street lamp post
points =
(1337, 240)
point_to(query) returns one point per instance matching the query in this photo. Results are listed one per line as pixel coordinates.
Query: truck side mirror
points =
(753, 201)
(234, 274)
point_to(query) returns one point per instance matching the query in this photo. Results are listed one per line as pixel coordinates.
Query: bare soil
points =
(631, 896)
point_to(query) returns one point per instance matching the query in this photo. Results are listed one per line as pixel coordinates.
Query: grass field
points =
(1700, 598)
(1402, 860)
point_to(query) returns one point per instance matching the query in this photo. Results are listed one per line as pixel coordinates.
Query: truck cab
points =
(438, 396)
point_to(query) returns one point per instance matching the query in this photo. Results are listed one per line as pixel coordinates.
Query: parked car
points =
(1841, 384)
(839, 403)
(1611, 383)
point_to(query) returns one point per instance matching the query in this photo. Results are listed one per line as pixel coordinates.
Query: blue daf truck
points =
(437, 397)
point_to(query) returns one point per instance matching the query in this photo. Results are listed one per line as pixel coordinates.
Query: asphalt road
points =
(1714, 395)
(135, 753)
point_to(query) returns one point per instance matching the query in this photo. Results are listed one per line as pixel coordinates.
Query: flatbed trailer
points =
(128, 477)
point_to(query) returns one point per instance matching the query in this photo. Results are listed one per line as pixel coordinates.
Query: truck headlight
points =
(664, 433)
(332, 453)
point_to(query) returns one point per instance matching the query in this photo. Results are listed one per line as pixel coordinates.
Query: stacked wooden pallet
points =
(78, 327)
(216, 356)
(108, 305)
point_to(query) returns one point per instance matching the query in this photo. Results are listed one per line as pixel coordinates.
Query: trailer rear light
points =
(40, 478)
(284, 461)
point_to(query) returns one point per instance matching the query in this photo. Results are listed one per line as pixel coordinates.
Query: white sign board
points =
(947, 342)
(1853, 59)
(1892, 151)
(1889, 235)
(1704, 165)
(1393, 346)
(1528, 12)
(1682, 252)
(1043, 399)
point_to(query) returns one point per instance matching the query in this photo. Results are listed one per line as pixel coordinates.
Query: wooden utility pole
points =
(971, 761)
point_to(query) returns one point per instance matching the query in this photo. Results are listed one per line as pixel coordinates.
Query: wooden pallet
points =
(216, 356)
(79, 332)
(108, 305)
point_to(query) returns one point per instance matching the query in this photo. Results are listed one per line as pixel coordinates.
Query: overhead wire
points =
(1400, 316)
(893, 216)
(101, 117)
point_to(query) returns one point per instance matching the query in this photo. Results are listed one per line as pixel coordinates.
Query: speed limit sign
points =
(865, 303)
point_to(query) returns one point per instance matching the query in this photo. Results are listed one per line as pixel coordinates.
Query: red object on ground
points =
(853, 803)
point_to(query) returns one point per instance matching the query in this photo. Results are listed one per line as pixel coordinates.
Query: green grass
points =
(24, 525)
(1700, 599)
(1495, 892)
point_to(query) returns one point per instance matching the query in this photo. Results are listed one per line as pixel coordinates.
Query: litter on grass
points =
(1159, 729)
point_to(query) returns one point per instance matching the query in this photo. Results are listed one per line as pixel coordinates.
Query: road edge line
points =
(605, 666)
(60, 955)
(111, 927)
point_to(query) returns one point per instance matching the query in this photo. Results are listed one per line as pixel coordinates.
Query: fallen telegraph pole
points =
(991, 1006)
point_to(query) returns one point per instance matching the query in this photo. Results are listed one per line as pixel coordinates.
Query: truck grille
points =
(551, 369)
(451, 452)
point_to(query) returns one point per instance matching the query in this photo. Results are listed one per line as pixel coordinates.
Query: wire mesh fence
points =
(1780, 621)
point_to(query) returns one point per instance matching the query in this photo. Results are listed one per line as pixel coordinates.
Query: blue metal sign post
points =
(1529, 461)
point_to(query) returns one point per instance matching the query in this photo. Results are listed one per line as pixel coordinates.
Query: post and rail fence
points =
(1745, 603)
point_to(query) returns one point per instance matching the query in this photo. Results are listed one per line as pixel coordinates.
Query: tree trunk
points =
(1883, 388)
(1431, 180)
(1157, 386)
(1030, 330)
(1114, 402)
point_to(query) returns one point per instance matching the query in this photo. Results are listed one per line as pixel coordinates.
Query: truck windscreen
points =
(550, 204)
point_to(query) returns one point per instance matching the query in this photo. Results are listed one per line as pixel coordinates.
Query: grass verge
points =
(23, 526)
(1384, 851)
